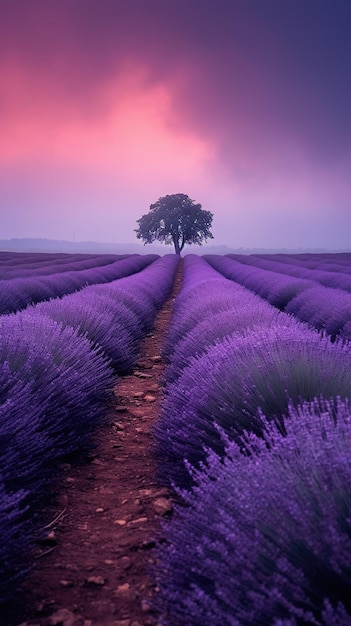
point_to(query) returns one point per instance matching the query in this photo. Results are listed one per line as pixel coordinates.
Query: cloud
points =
(245, 106)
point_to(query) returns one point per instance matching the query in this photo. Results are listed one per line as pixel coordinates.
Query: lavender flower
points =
(17, 534)
(277, 288)
(69, 378)
(17, 293)
(264, 537)
(323, 308)
(228, 384)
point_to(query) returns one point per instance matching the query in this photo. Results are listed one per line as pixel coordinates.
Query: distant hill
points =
(76, 247)
(94, 247)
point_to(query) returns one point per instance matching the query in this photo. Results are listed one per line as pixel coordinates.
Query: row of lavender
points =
(18, 293)
(329, 261)
(338, 278)
(59, 361)
(330, 274)
(24, 265)
(324, 308)
(255, 434)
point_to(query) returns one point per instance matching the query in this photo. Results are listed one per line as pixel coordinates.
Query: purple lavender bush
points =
(114, 295)
(203, 308)
(277, 288)
(337, 279)
(15, 558)
(27, 451)
(55, 387)
(54, 392)
(115, 316)
(204, 293)
(318, 270)
(69, 378)
(264, 537)
(16, 294)
(144, 292)
(233, 380)
(110, 326)
(245, 316)
(323, 308)
(208, 308)
(56, 265)
(156, 281)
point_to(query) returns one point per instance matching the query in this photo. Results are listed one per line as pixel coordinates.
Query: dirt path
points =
(93, 568)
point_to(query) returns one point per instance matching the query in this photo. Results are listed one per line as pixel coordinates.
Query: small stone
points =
(138, 520)
(97, 462)
(97, 581)
(69, 479)
(153, 387)
(120, 522)
(50, 538)
(121, 409)
(109, 562)
(164, 491)
(149, 398)
(145, 492)
(72, 568)
(121, 622)
(138, 394)
(137, 412)
(62, 617)
(136, 623)
(106, 490)
(67, 583)
(126, 562)
(163, 506)
(156, 359)
(123, 588)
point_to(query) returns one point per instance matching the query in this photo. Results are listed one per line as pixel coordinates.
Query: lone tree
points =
(175, 219)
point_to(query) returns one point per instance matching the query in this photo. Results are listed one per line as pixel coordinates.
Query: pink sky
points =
(106, 106)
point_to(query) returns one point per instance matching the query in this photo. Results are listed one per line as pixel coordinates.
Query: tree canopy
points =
(175, 219)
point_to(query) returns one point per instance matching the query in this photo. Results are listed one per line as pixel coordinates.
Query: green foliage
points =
(175, 219)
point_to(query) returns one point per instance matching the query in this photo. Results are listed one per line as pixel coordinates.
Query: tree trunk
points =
(176, 245)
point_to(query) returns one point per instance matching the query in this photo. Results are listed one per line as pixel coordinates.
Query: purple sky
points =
(244, 105)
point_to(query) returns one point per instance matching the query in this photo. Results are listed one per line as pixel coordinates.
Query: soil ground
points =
(94, 567)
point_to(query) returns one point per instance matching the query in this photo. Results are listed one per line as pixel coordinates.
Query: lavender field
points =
(254, 432)
(254, 435)
(59, 361)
